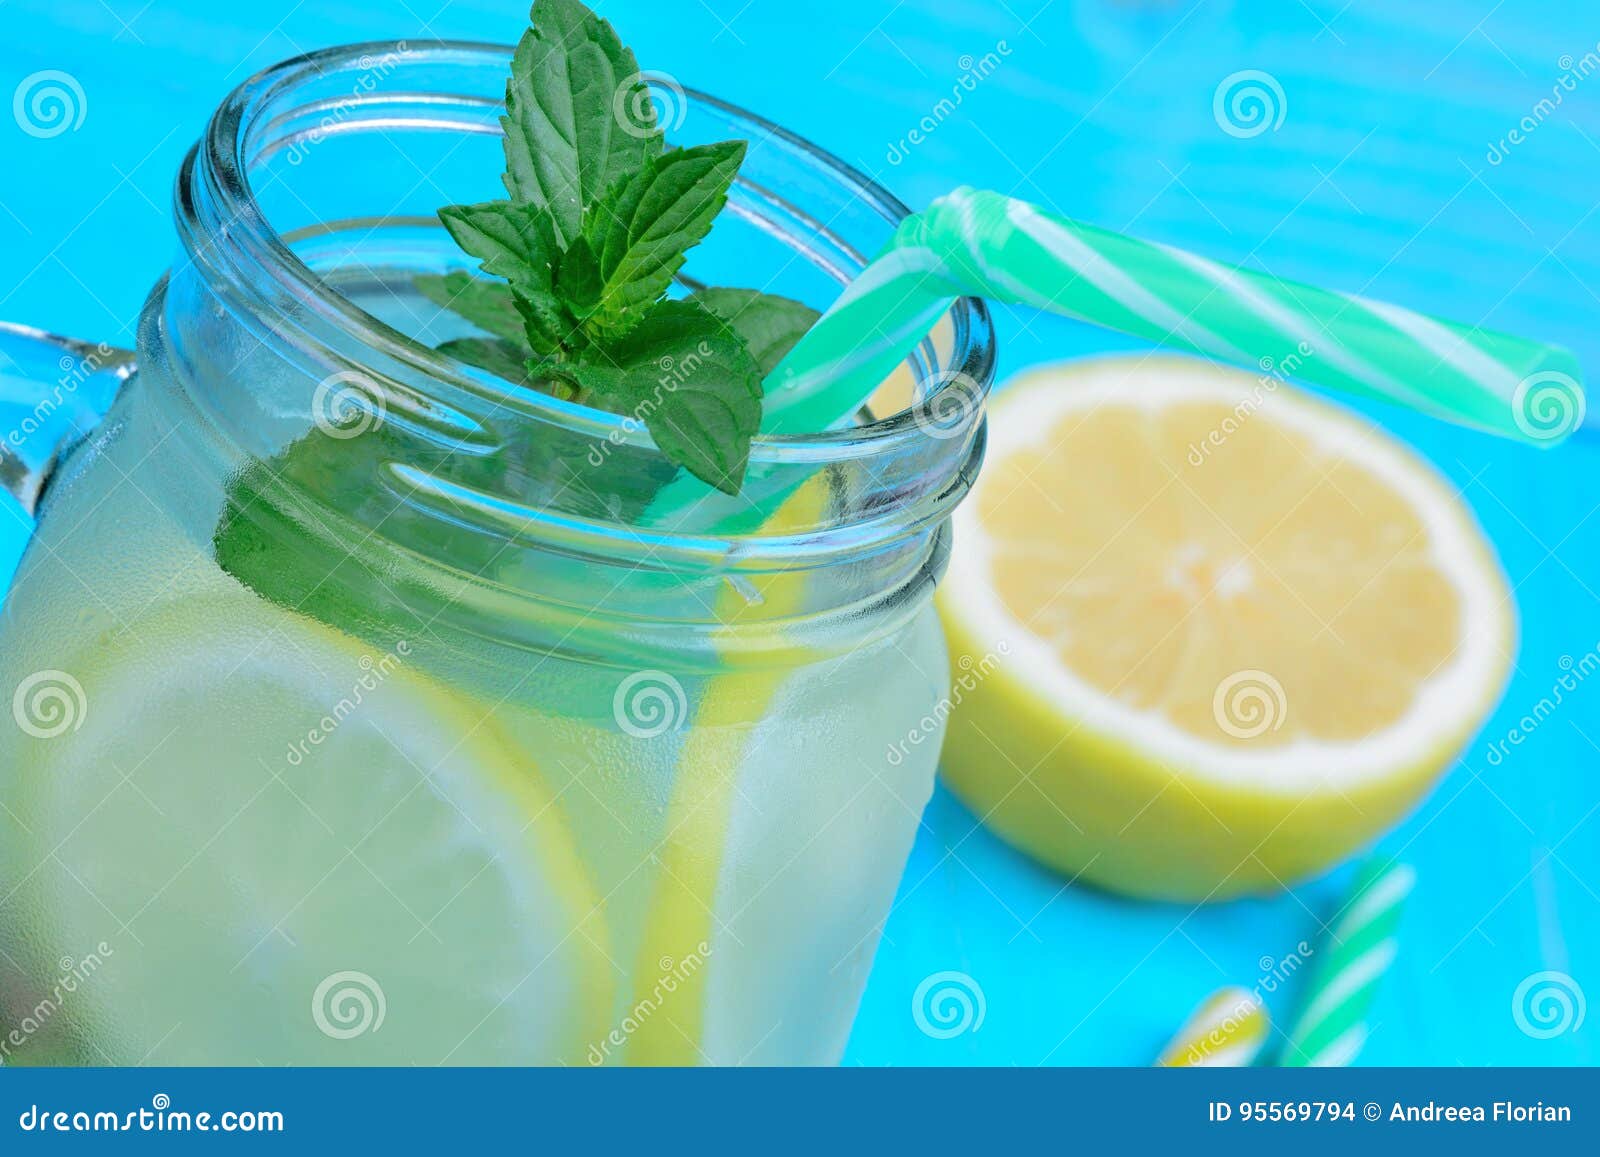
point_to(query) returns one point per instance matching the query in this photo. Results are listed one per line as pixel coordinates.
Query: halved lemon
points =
(1209, 635)
(278, 845)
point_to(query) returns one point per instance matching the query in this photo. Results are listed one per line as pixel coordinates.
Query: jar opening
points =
(310, 202)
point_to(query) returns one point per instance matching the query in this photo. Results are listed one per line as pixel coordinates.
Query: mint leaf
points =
(644, 225)
(553, 466)
(578, 114)
(510, 241)
(684, 373)
(515, 242)
(291, 526)
(579, 282)
(547, 328)
(486, 304)
(770, 325)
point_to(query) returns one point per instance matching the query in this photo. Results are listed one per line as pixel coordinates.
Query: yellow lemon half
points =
(1209, 635)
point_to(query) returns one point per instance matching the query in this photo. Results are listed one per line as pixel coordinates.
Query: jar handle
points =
(53, 392)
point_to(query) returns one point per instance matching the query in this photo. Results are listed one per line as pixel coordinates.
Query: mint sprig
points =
(577, 258)
(597, 224)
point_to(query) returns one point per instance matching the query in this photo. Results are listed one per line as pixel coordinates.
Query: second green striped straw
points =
(1356, 953)
(982, 244)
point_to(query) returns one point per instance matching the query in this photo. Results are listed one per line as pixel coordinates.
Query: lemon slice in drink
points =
(1209, 635)
(283, 846)
(703, 813)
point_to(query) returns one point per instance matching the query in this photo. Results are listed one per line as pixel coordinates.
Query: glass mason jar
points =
(368, 708)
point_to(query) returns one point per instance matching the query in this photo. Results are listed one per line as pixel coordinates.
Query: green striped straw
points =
(1357, 951)
(982, 244)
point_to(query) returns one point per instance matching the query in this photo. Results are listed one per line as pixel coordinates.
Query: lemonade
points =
(365, 710)
(243, 802)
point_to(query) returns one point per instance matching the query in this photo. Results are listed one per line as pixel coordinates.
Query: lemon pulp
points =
(1243, 630)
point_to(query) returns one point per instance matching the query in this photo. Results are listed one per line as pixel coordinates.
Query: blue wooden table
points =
(1437, 153)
